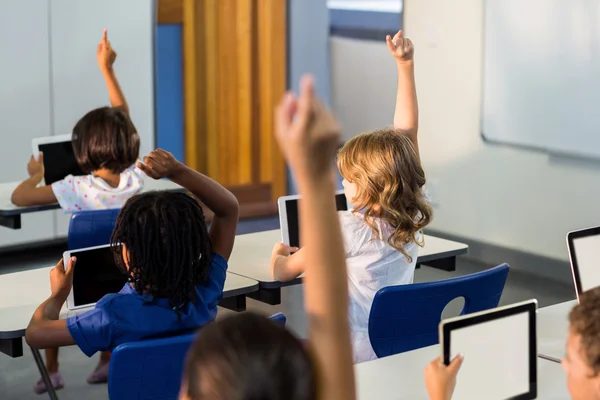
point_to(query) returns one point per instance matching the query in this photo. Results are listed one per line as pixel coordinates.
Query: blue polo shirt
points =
(127, 316)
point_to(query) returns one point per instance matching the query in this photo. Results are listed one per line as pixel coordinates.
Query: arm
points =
(45, 330)
(219, 200)
(106, 58)
(27, 193)
(406, 114)
(308, 135)
(286, 267)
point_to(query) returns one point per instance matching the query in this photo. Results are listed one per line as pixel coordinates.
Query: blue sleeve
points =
(217, 273)
(91, 331)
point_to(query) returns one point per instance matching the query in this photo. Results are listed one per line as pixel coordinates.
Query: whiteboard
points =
(78, 85)
(541, 78)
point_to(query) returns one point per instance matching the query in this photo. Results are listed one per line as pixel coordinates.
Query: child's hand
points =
(61, 281)
(307, 133)
(160, 164)
(105, 53)
(441, 379)
(283, 250)
(401, 48)
(35, 168)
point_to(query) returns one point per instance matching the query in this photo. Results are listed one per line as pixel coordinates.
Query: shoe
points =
(56, 380)
(100, 375)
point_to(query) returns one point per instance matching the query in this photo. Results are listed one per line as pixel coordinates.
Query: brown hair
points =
(387, 171)
(585, 322)
(245, 357)
(105, 138)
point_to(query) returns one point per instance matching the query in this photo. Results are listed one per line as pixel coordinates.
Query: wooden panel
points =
(170, 11)
(272, 82)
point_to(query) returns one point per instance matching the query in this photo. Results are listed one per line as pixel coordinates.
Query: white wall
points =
(508, 197)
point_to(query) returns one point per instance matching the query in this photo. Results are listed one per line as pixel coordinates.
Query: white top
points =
(401, 376)
(372, 265)
(85, 193)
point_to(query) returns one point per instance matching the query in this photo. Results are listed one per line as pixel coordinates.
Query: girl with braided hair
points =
(175, 265)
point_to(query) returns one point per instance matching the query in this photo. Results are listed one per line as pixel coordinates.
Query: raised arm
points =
(406, 114)
(309, 136)
(161, 164)
(106, 58)
(45, 329)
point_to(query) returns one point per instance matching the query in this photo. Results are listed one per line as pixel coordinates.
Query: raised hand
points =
(400, 47)
(35, 167)
(307, 133)
(104, 53)
(160, 164)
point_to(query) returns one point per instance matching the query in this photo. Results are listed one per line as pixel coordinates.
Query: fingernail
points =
(73, 258)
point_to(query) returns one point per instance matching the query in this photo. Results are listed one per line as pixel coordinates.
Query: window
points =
(364, 19)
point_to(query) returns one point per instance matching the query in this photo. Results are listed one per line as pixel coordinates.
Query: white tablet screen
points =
(496, 358)
(587, 253)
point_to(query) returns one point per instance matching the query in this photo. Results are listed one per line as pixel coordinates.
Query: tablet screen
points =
(587, 254)
(96, 275)
(59, 161)
(496, 361)
(293, 220)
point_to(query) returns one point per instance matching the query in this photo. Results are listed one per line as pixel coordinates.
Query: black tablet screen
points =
(59, 161)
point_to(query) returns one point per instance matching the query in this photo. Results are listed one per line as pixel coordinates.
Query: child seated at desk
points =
(249, 357)
(581, 363)
(106, 146)
(383, 180)
(176, 267)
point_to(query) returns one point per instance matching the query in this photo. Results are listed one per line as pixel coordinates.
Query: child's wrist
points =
(405, 63)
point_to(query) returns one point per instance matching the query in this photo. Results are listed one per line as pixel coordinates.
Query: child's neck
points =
(109, 177)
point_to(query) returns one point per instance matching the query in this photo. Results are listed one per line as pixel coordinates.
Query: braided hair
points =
(168, 245)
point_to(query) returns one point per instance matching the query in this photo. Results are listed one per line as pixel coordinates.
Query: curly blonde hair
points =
(388, 175)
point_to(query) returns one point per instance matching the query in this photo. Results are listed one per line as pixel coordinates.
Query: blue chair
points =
(91, 228)
(152, 369)
(407, 317)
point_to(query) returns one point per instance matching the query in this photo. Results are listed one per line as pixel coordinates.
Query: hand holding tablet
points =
(58, 160)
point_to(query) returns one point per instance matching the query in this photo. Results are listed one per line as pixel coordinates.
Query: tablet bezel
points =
(571, 237)
(529, 306)
(36, 142)
(71, 299)
(283, 220)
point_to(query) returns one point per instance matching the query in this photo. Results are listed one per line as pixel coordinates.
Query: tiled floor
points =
(18, 375)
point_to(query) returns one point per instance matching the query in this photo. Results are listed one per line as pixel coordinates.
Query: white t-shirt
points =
(372, 265)
(88, 192)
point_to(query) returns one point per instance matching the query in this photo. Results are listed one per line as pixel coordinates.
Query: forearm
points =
(218, 199)
(21, 194)
(115, 94)
(42, 332)
(406, 114)
(286, 269)
(326, 286)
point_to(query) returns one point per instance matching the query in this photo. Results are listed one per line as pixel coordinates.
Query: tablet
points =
(59, 159)
(289, 218)
(96, 274)
(500, 352)
(584, 254)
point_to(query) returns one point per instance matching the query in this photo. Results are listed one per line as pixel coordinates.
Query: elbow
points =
(18, 199)
(34, 337)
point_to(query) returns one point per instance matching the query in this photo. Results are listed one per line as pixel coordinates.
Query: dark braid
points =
(167, 243)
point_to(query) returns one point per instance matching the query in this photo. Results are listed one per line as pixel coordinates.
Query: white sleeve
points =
(346, 224)
(66, 193)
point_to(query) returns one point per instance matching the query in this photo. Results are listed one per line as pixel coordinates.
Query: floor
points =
(17, 376)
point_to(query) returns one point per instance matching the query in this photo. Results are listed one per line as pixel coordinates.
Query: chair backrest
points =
(407, 317)
(152, 369)
(91, 228)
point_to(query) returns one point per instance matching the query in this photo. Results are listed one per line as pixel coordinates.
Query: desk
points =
(251, 258)
(402, 377)
(22, 292)
(10, 215)
(553, 329)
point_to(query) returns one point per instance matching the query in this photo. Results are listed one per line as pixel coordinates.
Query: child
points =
(106, 146)
(581, 363)
(383, 181)
(176, 267)
(249, 357)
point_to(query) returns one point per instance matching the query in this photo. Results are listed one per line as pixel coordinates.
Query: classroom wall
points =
(517, 199)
